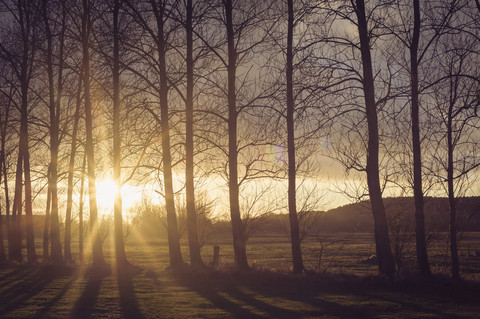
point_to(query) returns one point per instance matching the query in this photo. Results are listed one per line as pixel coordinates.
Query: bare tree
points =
(418, 39)
(80, 210)
(21, 58)
(120, 255)
(46, 225)
(71, 169)
(239, 244)
(54, 107)
(234, 48)
(97, 251)
(4, 119)
(193, 240)
(156, 19)
(3, 257)
(382, 242)
(292, 189)
(422, 257)
(456, 104)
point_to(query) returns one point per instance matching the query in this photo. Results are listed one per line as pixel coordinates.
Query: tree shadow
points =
(128, 299)
(363, 299)
(457, 295)
(25, 283)
(13, 274)
(301, 290)
(296, 289)
(258, 294)
(211, 290)
(237, 297)
(48, 305)
(84, 307)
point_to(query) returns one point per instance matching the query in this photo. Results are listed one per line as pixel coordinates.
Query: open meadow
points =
(344, 285)
(239, 159)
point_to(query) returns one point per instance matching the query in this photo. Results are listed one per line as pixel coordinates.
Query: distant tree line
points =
(177, 93)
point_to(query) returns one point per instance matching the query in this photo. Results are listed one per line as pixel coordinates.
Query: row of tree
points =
(240, 90)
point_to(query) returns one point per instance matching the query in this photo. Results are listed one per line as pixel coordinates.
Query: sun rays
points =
(107, 189)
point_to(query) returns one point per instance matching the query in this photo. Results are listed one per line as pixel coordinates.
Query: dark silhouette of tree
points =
(120, 255)
(173, 236)
(386, 264)
(97, 250)
(156, 19)
(292, 167)
(71, 169)
(239, 242)
(4, 120)
(428, 30)
(54, 104)
(222, 87)
(422, 257)
(21, 57)
(193, 241)
(456, 103)
(46, 224)
(3, 256)
(80, 210)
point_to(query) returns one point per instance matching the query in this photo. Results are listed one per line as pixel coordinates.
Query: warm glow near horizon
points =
(107, 189)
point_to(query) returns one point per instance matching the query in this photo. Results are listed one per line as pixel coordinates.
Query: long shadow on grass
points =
(310, 294)
(12, 275)
(211, 290)
(232, 296)
(280, 296)
(84, 307)
(128, 299)
(48, 305)
(27, 282)
(438, 297)
(306, 297)
(359, 299)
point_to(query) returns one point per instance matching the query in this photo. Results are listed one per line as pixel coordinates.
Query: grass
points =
(346, 290)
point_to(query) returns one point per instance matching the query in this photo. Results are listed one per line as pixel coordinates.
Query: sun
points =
(107, 189)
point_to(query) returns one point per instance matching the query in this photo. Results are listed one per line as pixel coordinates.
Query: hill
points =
(357, 217)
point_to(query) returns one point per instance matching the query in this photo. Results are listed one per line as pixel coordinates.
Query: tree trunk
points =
(292, 190)
(23, 150)
(3, 167)
(195, 258)
(15, 239)
(80, 211)
(422, 257)
(59, 91)
(56, 246)
(120, 256)
(46, 226)
(97, 251)
(71, 168)
(386, 263)
(3, 257)
(239, 240)
(451, 198)
(172, 228)
(31, 254)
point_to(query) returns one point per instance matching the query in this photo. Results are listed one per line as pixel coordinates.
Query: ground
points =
(151, 290)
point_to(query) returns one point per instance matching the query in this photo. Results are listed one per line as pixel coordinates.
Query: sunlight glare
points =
(107, 189)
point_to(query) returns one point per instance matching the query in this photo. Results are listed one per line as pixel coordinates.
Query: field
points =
(342, 285)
